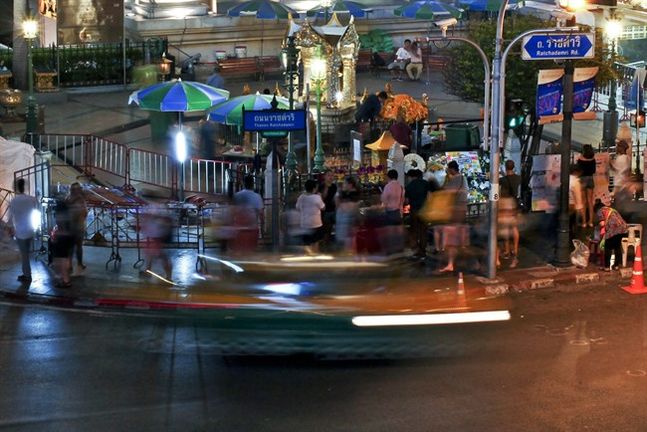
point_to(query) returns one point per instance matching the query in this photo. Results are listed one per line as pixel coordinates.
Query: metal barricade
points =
(212, 176)
(108, 156)
(151, 168)
(71, 150)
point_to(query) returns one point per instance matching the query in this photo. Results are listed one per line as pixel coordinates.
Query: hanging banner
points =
(636, 90)
(47, 8)
(90, 21)
(549, 95)
(583, 85)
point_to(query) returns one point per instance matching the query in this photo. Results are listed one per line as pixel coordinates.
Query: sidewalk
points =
(338, 286)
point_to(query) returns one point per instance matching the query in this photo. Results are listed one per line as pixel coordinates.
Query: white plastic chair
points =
(633, 239)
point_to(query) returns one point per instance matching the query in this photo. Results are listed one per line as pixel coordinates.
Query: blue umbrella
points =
(262, 9)
(340, 7)
(428, 9)
(178, 96)
(488, 5)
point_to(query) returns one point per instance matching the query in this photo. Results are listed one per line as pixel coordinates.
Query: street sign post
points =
(557, 46)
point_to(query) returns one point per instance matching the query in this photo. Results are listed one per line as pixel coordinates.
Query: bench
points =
(364, 60)
(436, 62)
(238, 67)
(269, 65)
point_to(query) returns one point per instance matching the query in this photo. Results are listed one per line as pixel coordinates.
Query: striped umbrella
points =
(178, 96)
(262, 9)
(428, 10)
(489, 5)
(231, 111)
(340, 7)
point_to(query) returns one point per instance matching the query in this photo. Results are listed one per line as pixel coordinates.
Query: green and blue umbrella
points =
(340, 7)
(178, 96)
(428, 10)
(488, 5)
(231, 111)
(262, 9)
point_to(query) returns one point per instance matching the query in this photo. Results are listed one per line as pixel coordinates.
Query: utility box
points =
(462, 136)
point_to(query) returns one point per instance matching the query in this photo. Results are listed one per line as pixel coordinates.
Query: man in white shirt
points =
(310, 206)
(402, 58)
(21, 209)
(621, 166)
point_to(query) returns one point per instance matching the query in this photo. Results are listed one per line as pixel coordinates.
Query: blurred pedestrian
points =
(371, 107)
(416, 192)
(157, 229)
(21, 211)
(215, 79)
(248, 217)
(455, 233)
(328, 191)
(347, 203)
(508, 213)
(310, 205)
(613, 229)
(575, 199)
(586, 163)
(207, 139)
(78, 211)
(621, 166)
(62, 243)
(400, 129)
(392, 199)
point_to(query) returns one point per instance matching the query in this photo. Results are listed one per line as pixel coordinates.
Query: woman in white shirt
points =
(621, 166)
(309, 204)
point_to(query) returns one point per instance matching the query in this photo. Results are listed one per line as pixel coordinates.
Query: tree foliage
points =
(464, 74)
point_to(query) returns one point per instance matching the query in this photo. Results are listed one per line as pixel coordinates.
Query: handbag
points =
(437, 207)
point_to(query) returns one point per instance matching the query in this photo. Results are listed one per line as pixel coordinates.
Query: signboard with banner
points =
(90, 21)
(583, 85)
(558, 46)
(47, 8)
(549, 95)
(274, 123)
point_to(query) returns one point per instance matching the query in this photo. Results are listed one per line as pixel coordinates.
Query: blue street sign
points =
(274, 120)
(558, 46)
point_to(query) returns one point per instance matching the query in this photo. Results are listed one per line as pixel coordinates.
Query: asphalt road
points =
(566, 362)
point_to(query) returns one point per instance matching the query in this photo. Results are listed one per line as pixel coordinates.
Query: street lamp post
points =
(318, 75)
(181, 155)
(30, 31)
(613, 31)
(289, 55)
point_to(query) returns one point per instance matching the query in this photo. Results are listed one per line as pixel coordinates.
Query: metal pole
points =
(291, 157)
(31, 100)
(563, 234)
(319, 153)
(610, 119)
(308, 131)
(494, 142)
(638, 109)
(275, 197)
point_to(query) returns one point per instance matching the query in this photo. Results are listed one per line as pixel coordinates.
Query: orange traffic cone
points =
(460, 292)
(637, 282)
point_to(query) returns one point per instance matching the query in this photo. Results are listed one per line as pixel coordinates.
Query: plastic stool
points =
(633, 239)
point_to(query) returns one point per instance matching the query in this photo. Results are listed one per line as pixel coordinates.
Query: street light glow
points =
(29, 28)
(180, 147)
(614, 29)
(318, 68)
(430, 319)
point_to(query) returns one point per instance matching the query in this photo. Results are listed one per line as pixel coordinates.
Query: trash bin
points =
(462, 136)
(160, 123)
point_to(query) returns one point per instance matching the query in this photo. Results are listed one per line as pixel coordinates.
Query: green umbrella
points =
(231, 112)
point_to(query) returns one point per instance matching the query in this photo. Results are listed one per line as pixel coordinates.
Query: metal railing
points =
(131, 166)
